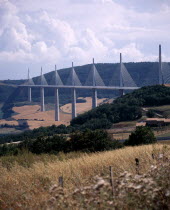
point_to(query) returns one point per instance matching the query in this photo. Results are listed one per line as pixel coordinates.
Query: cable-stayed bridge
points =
(121, 80)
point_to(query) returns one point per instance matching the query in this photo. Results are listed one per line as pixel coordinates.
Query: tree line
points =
(84, 141)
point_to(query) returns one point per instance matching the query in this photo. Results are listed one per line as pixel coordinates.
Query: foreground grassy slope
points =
(26, 179)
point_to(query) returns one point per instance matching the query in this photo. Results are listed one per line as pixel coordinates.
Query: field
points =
(122, 130)
(26, 179)
(165, 134)
(166, 142)
(31, 115)
(81, 107)
(162, 110)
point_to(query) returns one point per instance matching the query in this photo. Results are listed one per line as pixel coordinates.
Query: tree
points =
(53, 144)
(92, 141)
(142, 135)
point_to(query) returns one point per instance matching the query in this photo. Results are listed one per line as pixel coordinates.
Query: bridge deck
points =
(82, 87)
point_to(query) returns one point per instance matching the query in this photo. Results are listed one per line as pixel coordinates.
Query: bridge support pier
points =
(94, 98)
(160, 66)
(42, 100)
(74, 114)
(122, 92)
(29, 95)
(57, 111)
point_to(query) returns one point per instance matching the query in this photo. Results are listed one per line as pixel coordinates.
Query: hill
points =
(5, 91)
(126, 108)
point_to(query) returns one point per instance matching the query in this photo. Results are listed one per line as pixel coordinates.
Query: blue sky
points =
(37, 33)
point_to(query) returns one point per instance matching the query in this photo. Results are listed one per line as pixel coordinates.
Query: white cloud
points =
(44, 32)
(57, 30)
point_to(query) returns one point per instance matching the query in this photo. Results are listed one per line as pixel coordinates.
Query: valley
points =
(32, 117)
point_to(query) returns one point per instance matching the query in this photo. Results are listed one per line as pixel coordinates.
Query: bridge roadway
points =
(82, 87)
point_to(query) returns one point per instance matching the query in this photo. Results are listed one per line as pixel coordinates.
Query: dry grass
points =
(9, 122)
(81, 107)
(25, 182)
(166, 142)
(36, 119)
(120, 136)
(149, 190)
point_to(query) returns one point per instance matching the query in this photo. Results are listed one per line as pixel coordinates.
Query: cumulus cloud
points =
(43, 32)
(13, 37)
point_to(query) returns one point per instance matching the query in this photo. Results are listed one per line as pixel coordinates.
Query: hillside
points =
(126, 108)
(32, 117)
(7, 87)
(5, 91)
(143, 73)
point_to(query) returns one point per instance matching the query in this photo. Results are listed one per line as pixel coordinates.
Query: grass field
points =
(166, 142)
(165, 134)
(35, 118)
(164, 110)
(26, 179)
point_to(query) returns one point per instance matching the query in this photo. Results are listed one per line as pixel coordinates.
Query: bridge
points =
(93, 82)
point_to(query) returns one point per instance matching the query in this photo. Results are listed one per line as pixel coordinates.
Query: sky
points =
(37, 33)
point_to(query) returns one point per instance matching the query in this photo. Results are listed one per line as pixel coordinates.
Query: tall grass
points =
(25, 180)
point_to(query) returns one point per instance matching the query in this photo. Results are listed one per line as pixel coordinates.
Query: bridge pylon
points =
(121, 91)
(42, 80)
(74, 81)
(29, 88)
(160, 66)
(57, 81)
(94, 90)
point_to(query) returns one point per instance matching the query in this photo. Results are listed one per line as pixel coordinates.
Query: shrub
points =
(142, 135)
(92, 141)
(53, 144)
(10, 149)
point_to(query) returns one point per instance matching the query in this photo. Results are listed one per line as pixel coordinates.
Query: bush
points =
(53, 144)
(10, 149)
(92, 141)
(142, 135)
